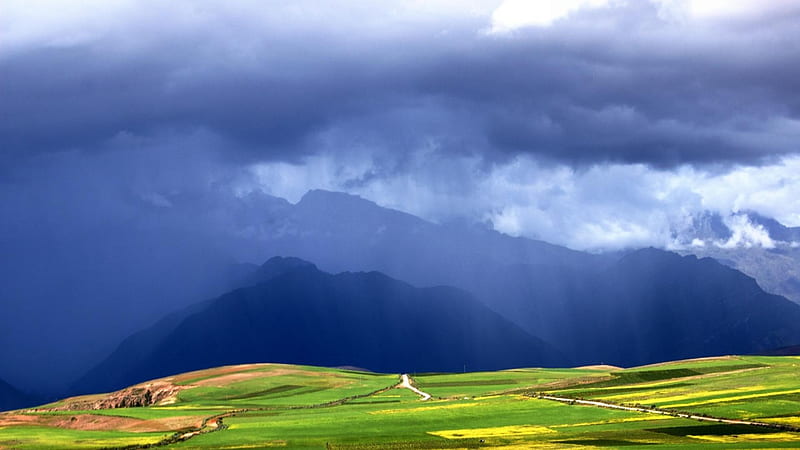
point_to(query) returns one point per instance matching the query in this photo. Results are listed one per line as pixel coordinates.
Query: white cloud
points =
(772, 190)
(291, 181)
(603, 207)
(745, 234)
(721, 10)
(57, 23)
(29, 24)
(724, 9)
(513, 14)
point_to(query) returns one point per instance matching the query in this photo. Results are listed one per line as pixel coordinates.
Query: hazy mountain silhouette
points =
(305, 316)
(585, 304)
(140, 345)
(650, 306)
(626, 309)
(342, 232)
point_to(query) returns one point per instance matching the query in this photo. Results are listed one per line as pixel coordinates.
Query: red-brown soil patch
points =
(217, 371)
(97, 422)
(224, 380)
(146, 394)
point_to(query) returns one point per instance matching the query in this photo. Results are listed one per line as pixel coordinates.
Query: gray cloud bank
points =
(279, 82)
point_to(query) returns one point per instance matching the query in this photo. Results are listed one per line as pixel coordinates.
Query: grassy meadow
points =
(273, 405)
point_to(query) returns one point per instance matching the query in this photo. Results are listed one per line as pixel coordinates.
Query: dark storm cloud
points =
(97, 245)
(131, 132)
(607, 85)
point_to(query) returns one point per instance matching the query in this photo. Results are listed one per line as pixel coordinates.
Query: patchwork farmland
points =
(273, 405)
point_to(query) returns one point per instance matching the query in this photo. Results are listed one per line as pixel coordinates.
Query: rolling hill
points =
(722, 402)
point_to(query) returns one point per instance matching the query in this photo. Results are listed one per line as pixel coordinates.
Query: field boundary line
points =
(664, 412)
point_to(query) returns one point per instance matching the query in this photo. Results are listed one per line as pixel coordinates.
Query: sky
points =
(595, 124)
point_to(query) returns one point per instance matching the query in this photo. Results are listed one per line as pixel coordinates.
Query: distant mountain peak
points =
(275, 267)
(317, 196)
(651, 254)
(363, 319)
(350, 211)
(285, 263)
(733, 230)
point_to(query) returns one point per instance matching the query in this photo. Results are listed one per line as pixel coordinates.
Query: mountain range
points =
(366, 283)
(758, 246)
(342, 232)
(295, 313)
(539, 286)
(649, 306)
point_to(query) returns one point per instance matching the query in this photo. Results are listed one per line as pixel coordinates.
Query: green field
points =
(273, 405)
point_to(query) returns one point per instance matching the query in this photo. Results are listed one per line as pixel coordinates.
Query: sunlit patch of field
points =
(792, 420)
(280, 385)
(488, 383)
(425, 408)
(734, 387)
(508, 431)
(637, 418)
(264, 444)
(36, 437)
(693, 361)
(690, 395)
(706, 399)
(539, 445)
(740, 438)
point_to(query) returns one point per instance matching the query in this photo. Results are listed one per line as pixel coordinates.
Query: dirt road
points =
(406, 383)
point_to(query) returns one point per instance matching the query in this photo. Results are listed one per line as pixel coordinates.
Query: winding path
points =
(406, 383)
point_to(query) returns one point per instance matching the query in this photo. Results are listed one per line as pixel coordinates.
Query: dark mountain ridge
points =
(650, 306)
(626, 309)
(590, 306)
(306, 316)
